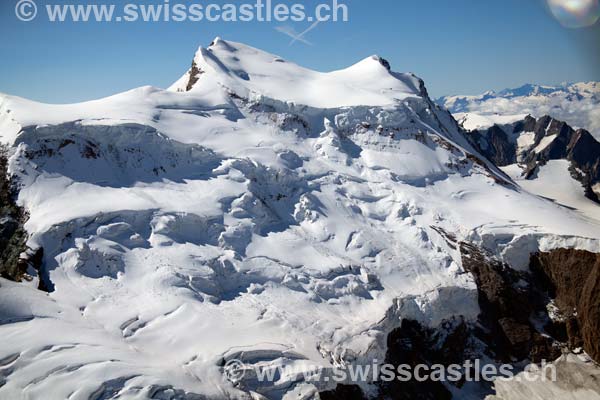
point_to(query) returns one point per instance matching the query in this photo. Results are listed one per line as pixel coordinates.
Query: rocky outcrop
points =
(15, 257)
(510, 303)
(12, 234)
(195, 73)
(498, 148)
(551, 140)
(577, 146)
(515, 306)
(572, 279)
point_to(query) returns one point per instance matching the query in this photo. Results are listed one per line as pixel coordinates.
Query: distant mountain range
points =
(578, 104)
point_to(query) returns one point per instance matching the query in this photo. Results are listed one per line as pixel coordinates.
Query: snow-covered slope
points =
(252, 74)
(255, 210)
(548, 158)
(554, 181)
(577, 104)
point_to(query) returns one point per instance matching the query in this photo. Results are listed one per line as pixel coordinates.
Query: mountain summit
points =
(247, 72)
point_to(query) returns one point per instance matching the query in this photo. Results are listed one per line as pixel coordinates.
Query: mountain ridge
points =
(524, 148)
(242, 70)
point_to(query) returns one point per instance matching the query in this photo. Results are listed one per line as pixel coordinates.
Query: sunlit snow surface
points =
(274, 214)
(554, 181)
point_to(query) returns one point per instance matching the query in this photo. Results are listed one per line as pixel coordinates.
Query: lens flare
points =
(575, 13)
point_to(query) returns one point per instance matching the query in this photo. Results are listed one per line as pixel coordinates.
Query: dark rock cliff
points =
(579, 147)
(12, 234)
(572, 279)
(15, 257)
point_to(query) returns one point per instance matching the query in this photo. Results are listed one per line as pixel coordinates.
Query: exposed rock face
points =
(551, 139)
(509, 300)
(12, 234)
(498, 147)
(385, 63)
(514, 304)
(15, 256)
(572, 278)
(195, 73)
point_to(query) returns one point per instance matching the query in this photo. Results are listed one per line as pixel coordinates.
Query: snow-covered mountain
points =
(577, 104)
(548, 158)
(260, 211)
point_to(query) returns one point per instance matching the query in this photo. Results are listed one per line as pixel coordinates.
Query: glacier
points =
(254, 210)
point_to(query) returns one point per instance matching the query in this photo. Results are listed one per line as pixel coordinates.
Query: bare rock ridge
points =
(552, 140)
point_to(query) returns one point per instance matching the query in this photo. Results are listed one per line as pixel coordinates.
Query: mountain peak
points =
(380, 60)
(216, 41)
(249, 72)
(222, 44)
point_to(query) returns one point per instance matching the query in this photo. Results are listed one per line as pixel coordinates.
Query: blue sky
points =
(457, 47)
